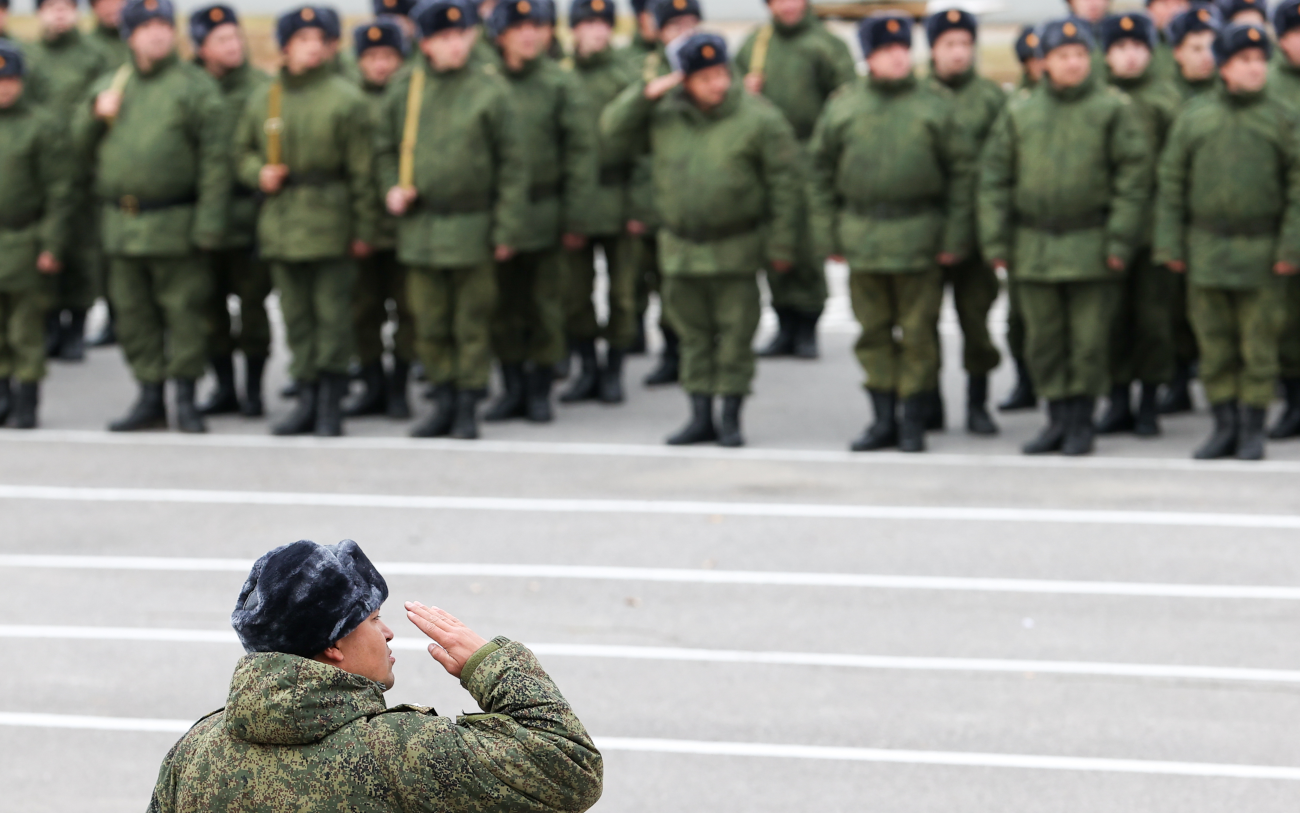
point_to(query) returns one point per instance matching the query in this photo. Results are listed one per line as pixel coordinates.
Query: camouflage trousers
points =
(898, 346)
(85, 269)
(381, 279)
(1067, 335)
(1238, 333)
(1142, 337)
(453, 308)
(580, 281)
(716, 317)
(162, 306)
(1015, 323)
(22, 332)
(316, 300)
(528, 324)
(975, 288)
(1185, 348)
(645, 262)
(1289, 348)
(236, 272)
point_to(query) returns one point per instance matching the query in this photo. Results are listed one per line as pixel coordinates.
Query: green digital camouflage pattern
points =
(109, 40)
(1156, 104)
(35, 197)
(1284, 80)
(62, 69)
(386, 224)
(1284, 86)
(1190, 90)
(603, 76)
(241, 220)
(297, 735)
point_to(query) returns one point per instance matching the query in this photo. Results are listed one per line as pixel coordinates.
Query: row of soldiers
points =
(501, 170)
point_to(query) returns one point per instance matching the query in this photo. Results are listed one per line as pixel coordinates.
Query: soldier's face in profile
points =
(1068, 65)
(152, 40)
(788, 12)
(1162, 11)
(1091, 10)
(449, 49)
(377, 65)
(108, 12)
(224, 48)
(57, 17)
(889, 63)
(305, 50)
(1246, 71)
(708, 87)
(365, 652)
(1128, 59)
(1195, 56)
(953, 53)
(1289, 45)
(11, 87)
(591, 37)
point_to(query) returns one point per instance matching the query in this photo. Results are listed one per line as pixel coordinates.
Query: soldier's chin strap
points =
(411, 131)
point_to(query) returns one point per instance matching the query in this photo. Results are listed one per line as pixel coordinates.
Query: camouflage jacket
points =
(1157, 104)
(36, 193)
(299, 736)
(236, 85)
(109, 40)
(603, 76)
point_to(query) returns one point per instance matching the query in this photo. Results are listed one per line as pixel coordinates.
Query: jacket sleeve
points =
(624, 121)
(512, 177)
(823, 197)
(581, 158)
(1171, 198)
(782, 172)
(56, 173)
(358, 155)
(389, 126)
(214, 172)
(836, 67)
(1288, 244)
(86, 133)
(958, 154)
(247, 146)
(996, 190)
(1132, 158)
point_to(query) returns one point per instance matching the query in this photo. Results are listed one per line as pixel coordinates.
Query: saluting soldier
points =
(895, 223)
(305, 142)
(1228, 216)
(1284, 87)
(1066, 175)
(974, 283)
(1142, 346)
(236, 270)
(725, 173)
(162, 175)
(603, 74)
(560, 148)
(35, 205)
(451, 157)
(380, 49)
(797, 64)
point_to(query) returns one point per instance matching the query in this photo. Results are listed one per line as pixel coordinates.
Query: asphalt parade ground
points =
(786, 627)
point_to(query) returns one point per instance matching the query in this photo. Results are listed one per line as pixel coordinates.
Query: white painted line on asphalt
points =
(583, 449)
(659, 507)
(684, 576)
(686, 654)
(770, 750)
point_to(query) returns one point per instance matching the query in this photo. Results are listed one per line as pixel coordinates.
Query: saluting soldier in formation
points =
(154, 129)
(1228, 216)
(236, 270)
(451, 156)
(35, 206)
(725, 174)
(796, 64)
(896, 223)
(305, 142)
(1284, 87)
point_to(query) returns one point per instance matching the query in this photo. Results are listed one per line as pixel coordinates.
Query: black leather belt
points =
(539, 192)
(719, 233)
(1220, 227)
(1065, 225)
(240, 192)
(464, 206)
(615, 176)
(895, 211)
(21, 221)
(131, 205)
(312, 178)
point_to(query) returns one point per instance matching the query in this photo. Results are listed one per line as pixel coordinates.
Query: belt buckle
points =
(129, 204)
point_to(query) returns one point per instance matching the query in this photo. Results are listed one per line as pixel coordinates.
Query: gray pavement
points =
(1035, 738)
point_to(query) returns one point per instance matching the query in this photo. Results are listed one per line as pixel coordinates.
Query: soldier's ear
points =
(332, 656)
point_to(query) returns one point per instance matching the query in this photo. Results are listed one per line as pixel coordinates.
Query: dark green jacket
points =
(1229, 195)
(1190, 90)
(559, 139)
(236, 86)
(470, 168)
(648, 61)
(1157, 104)
(109, 40)
(62, 70)
(35, 197)
(1284, 81)
(726, 182)
(1163, 66)
(895, 215)
(978, 102)
(385, 225)
(805, 64)
(299, 735)
(603, 76)
(327, 144)
(1065, 178)
(167, 149)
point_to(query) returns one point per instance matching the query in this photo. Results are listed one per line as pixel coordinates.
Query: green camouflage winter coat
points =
(603, 76)
(1157, 104)
(35, 198)
(236, 86)
(299, 736)
(62, 69)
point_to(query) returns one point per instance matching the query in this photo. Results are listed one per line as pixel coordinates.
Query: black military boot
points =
(1288, 423)
(638, 343)
(302, 419)
(540, 379)
(1022, 395)
(1118, 416)
(512, 402)
(1250, 440)
(978, 419)
(729, 433)
(564, 367)
(107, 335)
(782, 344)
(398, 406)
(26, 398)
(1080, 431)
(1147, 422)
(611, 377)
(936, 419)
(251, 406)
(290, 390)
(883, 431)
(72, 339)
(372, 399)
(222, 400)
(188, 417)
(1177, 397)
(329, 405)
(439, 422)
(6, 400)
(586, 387)
(465, 427)
(917, 410)
(700, 427)
(1053, 435)
(805, 335)
(148, 412)
(669, 366)
(53, 333)
(1223, 439)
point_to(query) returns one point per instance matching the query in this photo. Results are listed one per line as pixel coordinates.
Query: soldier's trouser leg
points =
(803, 287)
(453, 308)
(237, 272)
(369, 311)
(645, 261)
(1289, 344)
(716, 317)
(1068, 327)
(1238, 332)
(579, 284)
(908, 365)
(1186, 350)
(316, 299)
(76, 282)
(529, 323)
(974, 290)
(22, 333)
(162, 306)
(620, 258)
(394, 275)
(222, 340)
(1153, 329)
(1123, 330)
(1015, 323)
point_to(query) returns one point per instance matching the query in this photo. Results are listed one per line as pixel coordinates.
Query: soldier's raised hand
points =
(399, 199)
(107, 105)
(657, 87)
(453, 642)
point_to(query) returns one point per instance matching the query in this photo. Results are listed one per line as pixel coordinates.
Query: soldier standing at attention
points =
(162, 175)
(380, 49)
(107, 33)
(1162, 12)
(305, 142)
(449, 154)
(1228, 216)
(603, 74)
(974, 283)
(34, 209)
(236, 271)
(725, 173)
(797, 64)
(1142, 345)
(895, 223)
(1284, 87)
(1066, 176)
(560, 149)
